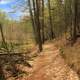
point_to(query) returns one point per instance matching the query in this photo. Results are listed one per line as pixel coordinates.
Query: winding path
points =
(49, 65)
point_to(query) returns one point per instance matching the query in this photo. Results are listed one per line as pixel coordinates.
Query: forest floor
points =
(48, 65)
(71, 55)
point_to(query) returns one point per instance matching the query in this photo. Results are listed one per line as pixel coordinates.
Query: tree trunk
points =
(38, 27)
(50, 19)
(32, 18)
(4, 44)
(42, 21)
(74, 20)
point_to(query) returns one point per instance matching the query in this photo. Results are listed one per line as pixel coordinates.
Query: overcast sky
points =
(9, 6)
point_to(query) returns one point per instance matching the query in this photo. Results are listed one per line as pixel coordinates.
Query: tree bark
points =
(50, 19)
(38, 27)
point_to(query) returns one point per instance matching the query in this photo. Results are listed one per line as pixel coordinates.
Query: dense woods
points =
(52, 19)
(58, 17)
(48, 20)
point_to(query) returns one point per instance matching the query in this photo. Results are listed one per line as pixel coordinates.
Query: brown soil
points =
(49, 65)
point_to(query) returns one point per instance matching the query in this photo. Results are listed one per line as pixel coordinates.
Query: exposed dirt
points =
(49, 65)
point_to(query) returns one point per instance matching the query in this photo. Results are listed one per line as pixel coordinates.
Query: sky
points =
(13, 8)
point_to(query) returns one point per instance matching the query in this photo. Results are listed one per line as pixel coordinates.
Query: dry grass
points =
(70, 54)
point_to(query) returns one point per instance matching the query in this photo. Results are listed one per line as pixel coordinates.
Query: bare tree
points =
(74, 21)
(34, 13)
(32, 17)
(3, 39)
(50, 19)
(43, 21)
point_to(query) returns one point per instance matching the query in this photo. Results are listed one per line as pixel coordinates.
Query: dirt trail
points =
(49, 65)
